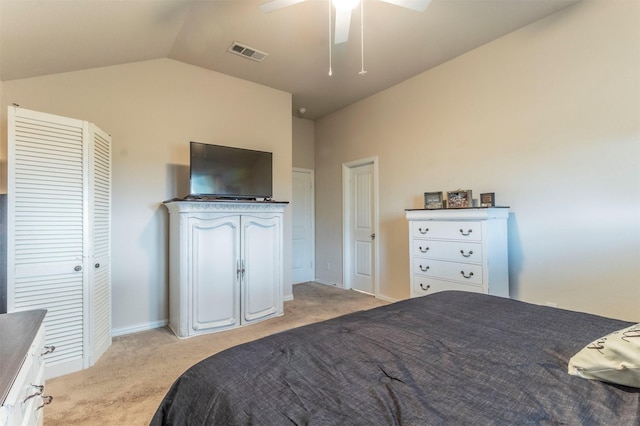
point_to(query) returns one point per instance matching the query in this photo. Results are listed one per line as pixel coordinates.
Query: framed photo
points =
(433, 200)
(459, 199)
(488, 199)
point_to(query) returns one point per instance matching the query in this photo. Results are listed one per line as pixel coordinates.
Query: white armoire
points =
(58, 233)
(225, 264)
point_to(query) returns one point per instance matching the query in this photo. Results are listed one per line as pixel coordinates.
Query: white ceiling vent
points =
(247, 52)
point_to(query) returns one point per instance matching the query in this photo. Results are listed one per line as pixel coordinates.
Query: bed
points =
(447, 358)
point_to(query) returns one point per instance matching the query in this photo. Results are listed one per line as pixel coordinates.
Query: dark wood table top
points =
(17, 331)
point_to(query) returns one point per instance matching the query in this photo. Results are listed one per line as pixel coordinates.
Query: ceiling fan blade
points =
(417, 5)
(343, 21)
(277, 4)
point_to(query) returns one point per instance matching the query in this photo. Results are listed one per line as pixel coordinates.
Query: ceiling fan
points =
(343, 12)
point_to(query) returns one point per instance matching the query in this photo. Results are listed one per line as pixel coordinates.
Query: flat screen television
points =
(225, 172)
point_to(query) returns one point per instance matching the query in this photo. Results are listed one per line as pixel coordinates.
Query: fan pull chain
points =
(362, 71)
(330, 72)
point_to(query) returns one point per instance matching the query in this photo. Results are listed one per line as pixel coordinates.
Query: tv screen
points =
(225, 172)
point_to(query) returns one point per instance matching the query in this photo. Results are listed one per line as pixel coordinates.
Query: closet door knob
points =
(97, 265)
(78, 268)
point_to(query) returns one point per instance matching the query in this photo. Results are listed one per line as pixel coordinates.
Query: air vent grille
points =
(247, 52)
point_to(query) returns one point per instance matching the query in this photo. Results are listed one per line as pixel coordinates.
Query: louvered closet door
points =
(100, 263)
(46, 207)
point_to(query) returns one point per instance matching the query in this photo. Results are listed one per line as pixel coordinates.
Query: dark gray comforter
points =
(450, 358)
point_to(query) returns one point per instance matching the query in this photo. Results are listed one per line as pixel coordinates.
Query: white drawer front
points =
(464, 272)
(32, 408)
(460, 251)
(445, 230)
(25, 395)
(22, 403)
(423, 286)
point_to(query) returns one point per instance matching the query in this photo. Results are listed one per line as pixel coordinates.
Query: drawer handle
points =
(425, 288)
(39, 389)
(466, 233)
(423, 250)
(424, 269)
(46, 400)
(466, 276)
(48, 349)
(423, 231)
(466, 255)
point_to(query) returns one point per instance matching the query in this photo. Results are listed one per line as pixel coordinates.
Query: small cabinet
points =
(459, 249)
(225, 266)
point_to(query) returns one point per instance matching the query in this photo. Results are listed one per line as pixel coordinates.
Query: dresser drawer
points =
(460, 251)
(447, 230)
(19, 401)
(423, 286)
(32, 409)
(465, 272)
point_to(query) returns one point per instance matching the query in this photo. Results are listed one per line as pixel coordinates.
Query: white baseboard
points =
(340, 286)
(138, 328)
(386, 298)
(337, 285)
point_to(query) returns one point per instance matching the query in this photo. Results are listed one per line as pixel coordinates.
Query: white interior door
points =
(99, 338)
(303, 226)
(58, 249)
(361, 228)
(46, 230)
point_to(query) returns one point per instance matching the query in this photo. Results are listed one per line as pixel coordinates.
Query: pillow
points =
(614, 358)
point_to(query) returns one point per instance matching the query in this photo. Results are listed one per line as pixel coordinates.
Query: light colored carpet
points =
(128, 382)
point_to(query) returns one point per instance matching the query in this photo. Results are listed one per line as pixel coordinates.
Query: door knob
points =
(373, 236)
(78, 268)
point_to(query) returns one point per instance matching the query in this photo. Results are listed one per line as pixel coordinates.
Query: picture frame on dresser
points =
(433, 200)
(488, 199)
(459, 199)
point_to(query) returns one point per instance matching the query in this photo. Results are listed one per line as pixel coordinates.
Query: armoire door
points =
(215, 272)
(49, 238)
(262, 267)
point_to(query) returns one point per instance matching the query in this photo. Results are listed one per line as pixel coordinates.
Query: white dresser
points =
(459, 249)
(22, 375)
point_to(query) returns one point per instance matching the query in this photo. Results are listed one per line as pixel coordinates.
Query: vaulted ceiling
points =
(39, 37)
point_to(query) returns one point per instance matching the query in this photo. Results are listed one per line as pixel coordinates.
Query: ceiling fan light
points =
(345, 4)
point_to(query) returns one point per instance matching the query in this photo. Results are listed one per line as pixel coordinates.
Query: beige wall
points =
(548, 118)
(153, 109)
(303, 143)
